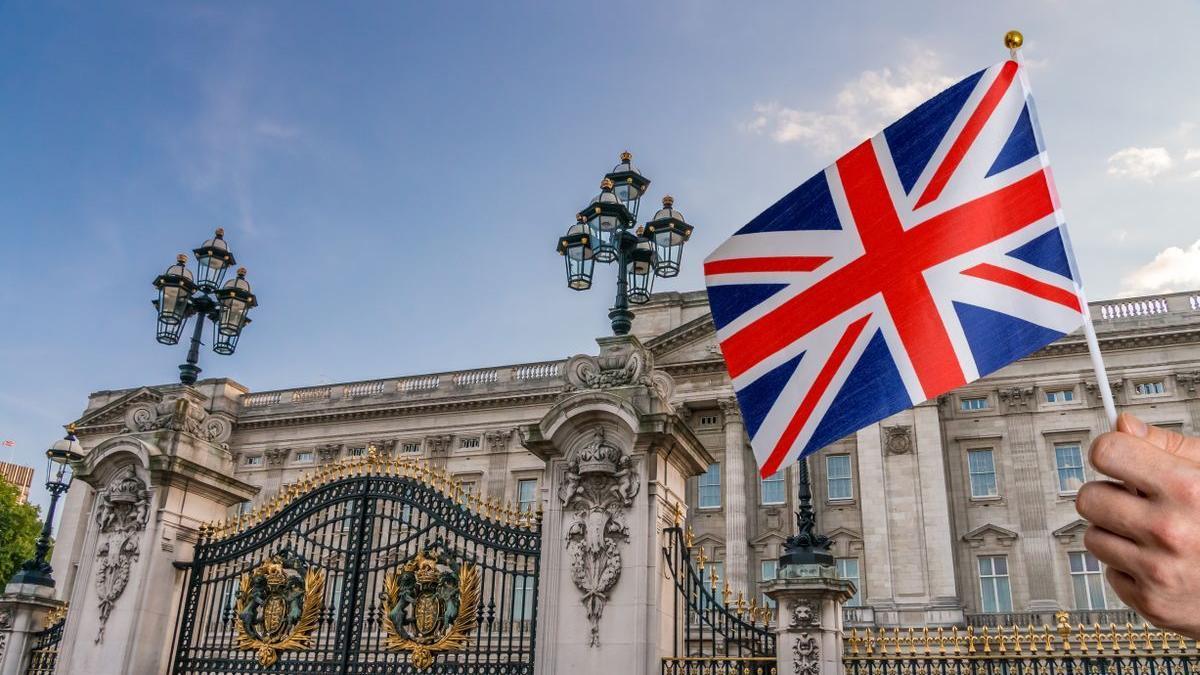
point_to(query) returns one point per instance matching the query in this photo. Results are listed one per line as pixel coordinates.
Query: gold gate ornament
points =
(429, 604)
(278, 606)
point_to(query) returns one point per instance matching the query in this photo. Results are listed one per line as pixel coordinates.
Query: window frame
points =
(700, 485)
(778, 478)
(533, 502)
(1088, 577)
(1048, 392)
(299, 457)
(253, 460)
(849, 478)
(762, 575)
(971, 473)
(963, 407)
(994, 579)
(1059, 468)
(1160, 381)
(856, 599)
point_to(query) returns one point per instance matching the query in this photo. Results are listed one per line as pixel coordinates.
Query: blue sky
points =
(394, 175)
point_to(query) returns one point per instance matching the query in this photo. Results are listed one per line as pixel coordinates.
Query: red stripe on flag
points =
(840, 351)
(1041, 289)
(796, 263)
(969, 132)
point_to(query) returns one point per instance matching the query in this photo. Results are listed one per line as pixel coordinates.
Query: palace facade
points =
(959, 510)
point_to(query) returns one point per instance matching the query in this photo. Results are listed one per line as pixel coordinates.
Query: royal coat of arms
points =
(278, 606)
(429, 604)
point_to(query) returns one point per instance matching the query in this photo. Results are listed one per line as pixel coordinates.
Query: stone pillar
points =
(1029, 475)
(23, 612)
(617, 460)
(876, 532)
(737, 556)
(153, 486)
(808, 600)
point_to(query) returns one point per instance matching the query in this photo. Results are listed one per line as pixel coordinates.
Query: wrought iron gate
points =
(715, 633)
(372, 566)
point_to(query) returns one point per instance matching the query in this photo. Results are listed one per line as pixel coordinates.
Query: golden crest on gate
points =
(429, 604)
(278, 604)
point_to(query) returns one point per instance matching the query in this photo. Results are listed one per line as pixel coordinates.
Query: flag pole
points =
(1013, 40)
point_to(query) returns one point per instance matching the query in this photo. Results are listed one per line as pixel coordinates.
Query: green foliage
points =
(19, 530)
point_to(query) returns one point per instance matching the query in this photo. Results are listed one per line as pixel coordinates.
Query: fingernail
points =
(1134, 426)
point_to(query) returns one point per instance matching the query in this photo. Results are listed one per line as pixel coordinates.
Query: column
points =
(737, 557)
(1029, 474)
(945, 607)
(876, 532)
(809, 631)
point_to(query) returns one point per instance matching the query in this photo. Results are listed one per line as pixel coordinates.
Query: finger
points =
(1174, 443)
(1114, 508)
(1124, 585)
(1113, 550)
(1135, 461)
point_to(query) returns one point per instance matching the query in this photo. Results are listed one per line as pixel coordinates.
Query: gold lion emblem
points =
(278, 605)
(429, 604)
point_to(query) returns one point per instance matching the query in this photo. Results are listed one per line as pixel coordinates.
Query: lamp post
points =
(182, 295)
(806, 547)
(58, 479)
(606, 231)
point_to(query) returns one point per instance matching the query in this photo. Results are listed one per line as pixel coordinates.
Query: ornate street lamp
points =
(182, 295)
(606, 232)
(807, 546)
(59, 474)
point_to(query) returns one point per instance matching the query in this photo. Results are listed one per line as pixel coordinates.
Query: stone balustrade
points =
(1146, 307)
(520, 376)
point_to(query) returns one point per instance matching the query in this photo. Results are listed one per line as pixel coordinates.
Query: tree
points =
(19, 530)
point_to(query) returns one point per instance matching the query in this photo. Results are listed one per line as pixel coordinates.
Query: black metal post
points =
(37, 570)
(203, 307)
(806, 547)
(620, 314)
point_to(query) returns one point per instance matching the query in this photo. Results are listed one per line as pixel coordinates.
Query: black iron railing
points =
(43, 655)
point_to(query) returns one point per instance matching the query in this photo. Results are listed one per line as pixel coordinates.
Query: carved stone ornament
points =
(275, 456)
(278, 606)
(599, 485)
(897, 440)
(439, 445)
(805, 614)
(122, 509)
(178, 414)
(1017, 397)
(328, 453)
(429, 604)
(497, 440)
(619, 365)
(5, 625)
(806, 655)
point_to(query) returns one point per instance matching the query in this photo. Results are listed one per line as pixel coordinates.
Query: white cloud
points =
(1192, 153)
(862, 107)
(1139, 163)
(1173, 269)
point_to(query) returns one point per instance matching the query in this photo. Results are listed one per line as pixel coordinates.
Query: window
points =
(1088, 581)
(523, 587)
(982, 469)
(710, 488)
(254, 460)
(708, 420)
(993, 584)
(410, 447)
(467, 487)
(304, 457)
(770, 570)
(1150, 388)
(357, 452)
(847, 568)
(1060, 395)
(973, 403)
(1069, 460)
(527, 494)
(837, 477)
(468, 443)
(772, 488)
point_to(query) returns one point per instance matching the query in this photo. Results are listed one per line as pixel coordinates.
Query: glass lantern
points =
(628, 184)
(640, 269)
(576, 249)
(669, 231)
(175, 288)
(213, 259)
(235, 300)
(606, 217)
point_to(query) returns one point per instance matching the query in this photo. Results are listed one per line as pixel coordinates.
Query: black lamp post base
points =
(32, 572)
(188, 372)
(805, 556)
(622, 320)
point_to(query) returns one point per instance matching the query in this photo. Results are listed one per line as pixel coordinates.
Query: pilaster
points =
(737, 556)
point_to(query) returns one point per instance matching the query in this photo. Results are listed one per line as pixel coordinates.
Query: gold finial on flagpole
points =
(1013, 40)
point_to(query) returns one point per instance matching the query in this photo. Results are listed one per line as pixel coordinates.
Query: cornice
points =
(665, 343)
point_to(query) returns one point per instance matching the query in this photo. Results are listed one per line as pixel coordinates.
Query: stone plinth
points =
(617, 459)
(23, 611)
(809, 601)
(150, 489)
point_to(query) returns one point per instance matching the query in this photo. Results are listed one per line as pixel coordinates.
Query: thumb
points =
(1173, 442)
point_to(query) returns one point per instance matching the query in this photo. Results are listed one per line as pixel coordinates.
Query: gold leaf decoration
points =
(268, 619)
(423, 593)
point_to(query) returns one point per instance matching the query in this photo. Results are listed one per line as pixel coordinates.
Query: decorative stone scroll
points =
(122, 509)
(178, 414)
(625, 363)
(599, 485)
(806, 655)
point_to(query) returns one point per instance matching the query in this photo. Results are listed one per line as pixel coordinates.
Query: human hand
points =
(1150, 539)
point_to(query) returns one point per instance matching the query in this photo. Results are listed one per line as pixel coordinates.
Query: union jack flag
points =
(925, 258)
